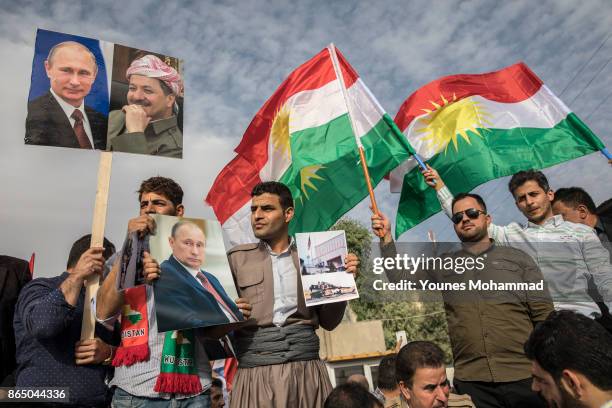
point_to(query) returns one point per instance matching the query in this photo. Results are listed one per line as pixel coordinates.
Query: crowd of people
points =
(523, 350)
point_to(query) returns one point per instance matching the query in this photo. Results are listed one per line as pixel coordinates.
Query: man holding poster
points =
(138, 363)
(279, 363)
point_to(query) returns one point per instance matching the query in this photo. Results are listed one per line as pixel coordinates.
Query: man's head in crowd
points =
(71, 68)
(81, 245)
(216, 394)
(387, 381)
(359, 379)
(575, 205)
(188, 244)
(351, 395)
(571, 361)
(532, 195)
(271, 210)
(160, 195)
(421, 373)
(470, 218)
(154, 85)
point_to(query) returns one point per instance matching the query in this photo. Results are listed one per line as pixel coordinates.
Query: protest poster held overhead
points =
(69, 104)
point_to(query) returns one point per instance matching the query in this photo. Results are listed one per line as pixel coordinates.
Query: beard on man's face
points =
(567, 401)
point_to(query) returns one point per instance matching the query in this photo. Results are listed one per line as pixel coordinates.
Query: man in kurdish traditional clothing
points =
(278, 354)
(142, 375)
(148, 123)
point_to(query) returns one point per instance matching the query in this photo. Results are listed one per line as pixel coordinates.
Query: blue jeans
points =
(122, 399)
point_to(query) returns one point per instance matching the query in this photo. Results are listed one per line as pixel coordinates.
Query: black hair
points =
(351, 395)
(276, 188)
(83, 244)
(568, 340)
(414, 355)
(573, 197)
(162, 186)
(386, 373)
(523, 176)
(476, 197)
(216, 383)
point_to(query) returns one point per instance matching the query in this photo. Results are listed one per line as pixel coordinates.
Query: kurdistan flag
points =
(303, 137)
(475, 128)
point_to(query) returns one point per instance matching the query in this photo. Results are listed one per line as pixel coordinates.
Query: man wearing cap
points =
(148, 123)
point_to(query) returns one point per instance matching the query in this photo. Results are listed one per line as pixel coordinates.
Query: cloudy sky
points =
(237, 53)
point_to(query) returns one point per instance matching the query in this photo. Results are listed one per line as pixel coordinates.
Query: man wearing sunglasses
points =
(569, 254)
(487, 329)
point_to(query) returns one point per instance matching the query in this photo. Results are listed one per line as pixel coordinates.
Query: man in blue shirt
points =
(48, 319)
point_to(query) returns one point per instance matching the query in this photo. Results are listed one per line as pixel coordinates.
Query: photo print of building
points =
(324, 276)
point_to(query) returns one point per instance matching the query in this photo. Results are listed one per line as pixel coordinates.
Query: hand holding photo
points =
(323, 268)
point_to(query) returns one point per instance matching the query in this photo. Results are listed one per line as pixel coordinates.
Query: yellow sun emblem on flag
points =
(307, 175)
(279, 132)
(451, 119)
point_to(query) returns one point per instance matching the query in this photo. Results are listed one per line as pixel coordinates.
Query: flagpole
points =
(332, 52)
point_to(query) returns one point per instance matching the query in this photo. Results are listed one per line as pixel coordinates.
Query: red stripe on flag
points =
(232, 187)
(509, 85)
(313, 74)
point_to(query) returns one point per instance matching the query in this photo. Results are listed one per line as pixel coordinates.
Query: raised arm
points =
(497, 233)
(46, 311)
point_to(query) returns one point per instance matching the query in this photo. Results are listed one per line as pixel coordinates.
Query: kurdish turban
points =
(152, 67)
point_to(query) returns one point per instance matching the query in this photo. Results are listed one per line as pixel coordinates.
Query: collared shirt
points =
(46, 330)
(140, 378)
(607, 404)
(487, 329)
(285, 284)
(69, 109)
(568, 254)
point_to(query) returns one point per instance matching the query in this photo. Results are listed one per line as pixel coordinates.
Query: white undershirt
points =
(285, 284)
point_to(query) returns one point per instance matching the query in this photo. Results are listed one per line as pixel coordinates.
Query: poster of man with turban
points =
(146, 102)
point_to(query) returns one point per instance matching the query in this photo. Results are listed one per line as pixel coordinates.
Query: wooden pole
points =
(97, 240)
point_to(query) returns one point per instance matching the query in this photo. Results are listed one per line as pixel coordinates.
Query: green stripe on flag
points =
(498, 153)
(326, 178)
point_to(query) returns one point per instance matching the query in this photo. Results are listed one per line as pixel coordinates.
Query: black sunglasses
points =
(472, 214)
